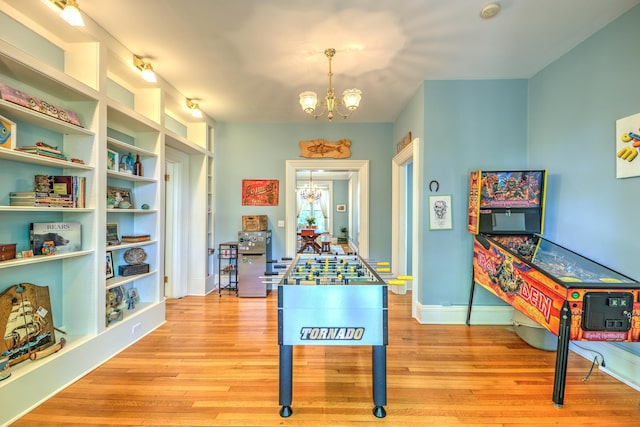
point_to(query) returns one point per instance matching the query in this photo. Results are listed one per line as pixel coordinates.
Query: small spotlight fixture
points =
(490, 10)
(145, 68)
(70, 12)
(194, 108)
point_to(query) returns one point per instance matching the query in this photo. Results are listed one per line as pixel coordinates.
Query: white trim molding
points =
(457, 315)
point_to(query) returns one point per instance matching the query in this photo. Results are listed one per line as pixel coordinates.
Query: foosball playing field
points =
(330, 270)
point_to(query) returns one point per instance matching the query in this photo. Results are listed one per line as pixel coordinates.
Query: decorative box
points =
(254, 222)
(7, 251)
(133, 269)
(10, 94)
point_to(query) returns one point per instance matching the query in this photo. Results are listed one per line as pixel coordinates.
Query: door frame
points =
(411, 153)
(360, 166)
(176, 226)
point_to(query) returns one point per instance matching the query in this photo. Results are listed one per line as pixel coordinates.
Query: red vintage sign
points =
(260, 192)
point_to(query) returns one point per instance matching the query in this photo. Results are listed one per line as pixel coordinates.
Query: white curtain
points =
(324, 201)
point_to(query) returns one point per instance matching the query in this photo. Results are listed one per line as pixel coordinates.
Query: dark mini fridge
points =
(254, 250)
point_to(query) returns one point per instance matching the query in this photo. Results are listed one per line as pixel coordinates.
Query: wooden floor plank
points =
(215, 363)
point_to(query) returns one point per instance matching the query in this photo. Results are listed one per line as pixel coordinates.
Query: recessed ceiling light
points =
(490, 10)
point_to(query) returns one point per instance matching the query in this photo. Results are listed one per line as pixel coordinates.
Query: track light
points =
(145, 68)
(70, 12)
(194, 108)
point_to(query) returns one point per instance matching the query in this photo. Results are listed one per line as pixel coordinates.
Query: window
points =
(319, 209)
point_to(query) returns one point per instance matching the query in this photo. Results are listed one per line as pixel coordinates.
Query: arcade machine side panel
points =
(605, 305)
(517, 283)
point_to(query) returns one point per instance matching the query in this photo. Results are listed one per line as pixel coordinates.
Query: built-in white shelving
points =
(87, 72)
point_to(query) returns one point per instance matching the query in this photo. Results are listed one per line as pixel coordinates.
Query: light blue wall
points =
(464, 126)
(411, 119)
(468, 125)
(574, 104)
(260, 150)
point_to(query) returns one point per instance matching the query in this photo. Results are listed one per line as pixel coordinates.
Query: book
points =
(43, 148)
(45, 153)
(61, 190)
(136, 238)
(66, 236)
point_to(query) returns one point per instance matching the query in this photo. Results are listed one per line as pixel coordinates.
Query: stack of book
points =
(43, 149)
(135, 238)
(58, 191)
(32, 198)
(25, 198)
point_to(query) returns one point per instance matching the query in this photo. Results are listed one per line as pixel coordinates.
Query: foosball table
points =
(333, 300)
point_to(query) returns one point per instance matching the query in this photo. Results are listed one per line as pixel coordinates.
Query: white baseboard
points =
(620, 364)
(457, 315)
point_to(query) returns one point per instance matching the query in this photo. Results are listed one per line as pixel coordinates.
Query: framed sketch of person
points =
(440, 212)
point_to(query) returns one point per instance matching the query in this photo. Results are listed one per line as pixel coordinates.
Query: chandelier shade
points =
(308, 101)
(329, 105)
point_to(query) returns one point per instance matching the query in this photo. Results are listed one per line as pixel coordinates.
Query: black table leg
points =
(379, 375)
(562, 355)
(286, 373)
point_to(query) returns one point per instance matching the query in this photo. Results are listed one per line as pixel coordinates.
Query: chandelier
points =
(310, 193)
(350, 98)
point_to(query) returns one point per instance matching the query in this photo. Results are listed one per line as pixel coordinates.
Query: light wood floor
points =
(215, 363)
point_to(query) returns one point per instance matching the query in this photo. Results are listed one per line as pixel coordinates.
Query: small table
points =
(309, 237)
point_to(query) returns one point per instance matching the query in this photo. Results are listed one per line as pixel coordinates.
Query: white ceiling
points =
(247, 60)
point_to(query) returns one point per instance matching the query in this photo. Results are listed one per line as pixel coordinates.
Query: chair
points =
(325, 241)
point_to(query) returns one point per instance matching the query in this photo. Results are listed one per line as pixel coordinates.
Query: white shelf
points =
(35, 159)
(116, 145)
(24, 368)
(122, 246)
(35, 209)
(18, 112)
(43, 258)
(123, 280)
(132, 211)
(129, 177)
(128, 315)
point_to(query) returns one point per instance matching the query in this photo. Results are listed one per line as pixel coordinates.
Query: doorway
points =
(361, 198)
(406, 218)
(176, 231)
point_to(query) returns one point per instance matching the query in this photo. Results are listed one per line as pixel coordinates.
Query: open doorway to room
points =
(406, 175)
(358, 199)
(176, 232)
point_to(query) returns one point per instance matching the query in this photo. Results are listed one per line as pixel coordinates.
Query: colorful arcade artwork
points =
(513, 189)
(627, 146)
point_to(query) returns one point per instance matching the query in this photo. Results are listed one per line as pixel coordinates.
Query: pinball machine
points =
(569, 295)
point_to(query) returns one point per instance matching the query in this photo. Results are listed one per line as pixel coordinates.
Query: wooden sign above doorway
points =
(321, 148)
